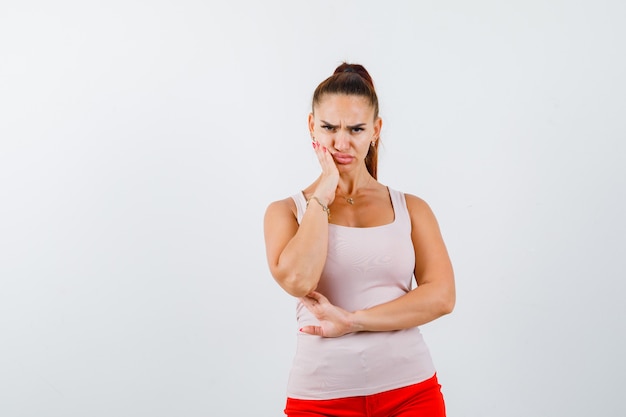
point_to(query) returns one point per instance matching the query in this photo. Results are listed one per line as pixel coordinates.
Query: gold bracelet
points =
(324, 208)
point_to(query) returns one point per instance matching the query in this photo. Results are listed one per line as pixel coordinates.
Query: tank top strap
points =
(300, 204)
(399, 207)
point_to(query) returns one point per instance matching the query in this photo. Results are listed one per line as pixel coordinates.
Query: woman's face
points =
(345, 125)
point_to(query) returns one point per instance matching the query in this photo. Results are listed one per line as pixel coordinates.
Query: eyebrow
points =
(349, 127)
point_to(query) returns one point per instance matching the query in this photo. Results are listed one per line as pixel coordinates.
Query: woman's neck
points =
(348, 185)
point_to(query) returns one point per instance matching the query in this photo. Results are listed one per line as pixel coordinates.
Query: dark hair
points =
(352, 80)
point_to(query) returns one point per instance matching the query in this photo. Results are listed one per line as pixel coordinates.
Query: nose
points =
(341, 141)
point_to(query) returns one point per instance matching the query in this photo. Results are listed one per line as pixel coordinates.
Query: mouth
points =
(343, 158)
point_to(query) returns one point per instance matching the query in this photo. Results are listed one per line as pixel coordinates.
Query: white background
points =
(140, 143)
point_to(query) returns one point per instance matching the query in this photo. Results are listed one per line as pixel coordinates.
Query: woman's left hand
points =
(334, 321)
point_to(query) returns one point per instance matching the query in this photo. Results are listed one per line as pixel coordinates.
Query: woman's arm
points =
(433, 297)
(435, 293)
(296, 253)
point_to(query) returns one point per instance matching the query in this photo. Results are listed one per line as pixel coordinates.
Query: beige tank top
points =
(364, 267)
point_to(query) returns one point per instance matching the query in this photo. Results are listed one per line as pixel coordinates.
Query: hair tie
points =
(349, 69)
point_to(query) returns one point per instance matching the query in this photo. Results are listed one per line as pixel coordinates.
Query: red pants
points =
(420, 400)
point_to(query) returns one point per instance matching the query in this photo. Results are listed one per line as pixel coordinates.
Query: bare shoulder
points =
(281, 214)
(281, 208)
(423, 218)
(417, 206)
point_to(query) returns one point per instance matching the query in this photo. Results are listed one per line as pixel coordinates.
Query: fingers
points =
(313, 330)
(315, 297)
(324, 157)
(330, 174)
(308, 303)
(318, 146)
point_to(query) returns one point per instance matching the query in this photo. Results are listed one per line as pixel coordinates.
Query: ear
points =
(311, 124)
(378, 125)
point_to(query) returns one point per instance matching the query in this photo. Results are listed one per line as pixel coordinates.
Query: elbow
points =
(298, 285)
(447, 298)
(447, 303)
(447, 307)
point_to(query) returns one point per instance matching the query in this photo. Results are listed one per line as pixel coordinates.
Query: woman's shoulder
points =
(414, 200)
(411, 199)
(284, 205)
(414, 203)
(419, 209)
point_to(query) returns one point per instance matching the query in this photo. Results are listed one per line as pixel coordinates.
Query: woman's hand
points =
(334, 321)
(330, 174)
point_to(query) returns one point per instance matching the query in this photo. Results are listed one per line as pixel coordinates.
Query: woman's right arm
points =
(296, 253)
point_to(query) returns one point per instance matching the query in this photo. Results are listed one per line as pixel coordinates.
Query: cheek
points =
(364, 151)
(323, 136)
(364, 145)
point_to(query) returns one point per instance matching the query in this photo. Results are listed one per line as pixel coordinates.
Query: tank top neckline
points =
(392, 223)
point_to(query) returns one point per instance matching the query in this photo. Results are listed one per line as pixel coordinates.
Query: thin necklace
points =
(350, 200)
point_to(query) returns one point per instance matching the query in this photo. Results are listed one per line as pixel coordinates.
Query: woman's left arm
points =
(433, 297)
(435, 294)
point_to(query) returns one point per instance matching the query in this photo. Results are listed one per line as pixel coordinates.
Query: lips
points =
(343, 158)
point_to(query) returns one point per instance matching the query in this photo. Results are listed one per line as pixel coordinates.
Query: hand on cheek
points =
(330, 174)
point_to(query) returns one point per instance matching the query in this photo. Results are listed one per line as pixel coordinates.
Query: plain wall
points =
(140, 143)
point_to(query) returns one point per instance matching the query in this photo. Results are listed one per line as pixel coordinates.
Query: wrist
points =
(357, 322)
(319, 201)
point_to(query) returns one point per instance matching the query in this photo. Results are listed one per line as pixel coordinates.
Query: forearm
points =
(419, 306)
(302, 260)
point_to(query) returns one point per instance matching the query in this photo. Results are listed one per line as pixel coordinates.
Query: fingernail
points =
(324, 148)
(300, 328)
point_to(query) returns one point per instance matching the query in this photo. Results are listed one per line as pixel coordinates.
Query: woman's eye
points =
(357, 129)
(327, 127)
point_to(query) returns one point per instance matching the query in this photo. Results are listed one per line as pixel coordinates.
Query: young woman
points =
(348, 247)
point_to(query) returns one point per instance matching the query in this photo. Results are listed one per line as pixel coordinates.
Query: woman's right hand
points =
(329, 179)
(333, 321)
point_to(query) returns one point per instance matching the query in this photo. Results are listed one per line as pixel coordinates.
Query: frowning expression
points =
(346, 126)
